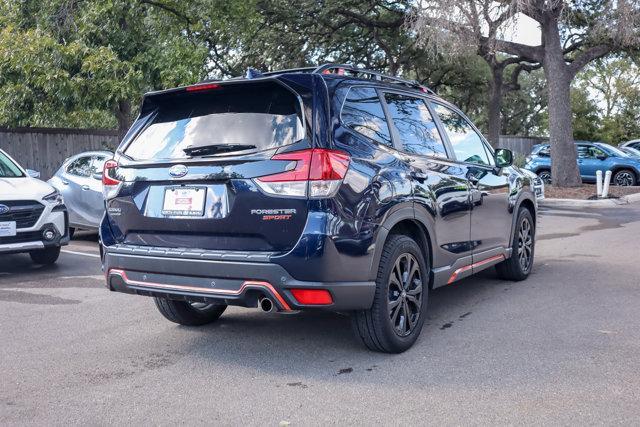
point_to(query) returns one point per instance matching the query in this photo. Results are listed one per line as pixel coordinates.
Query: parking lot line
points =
(80, 253)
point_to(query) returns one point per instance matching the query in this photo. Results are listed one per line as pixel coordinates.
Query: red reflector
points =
(207, 86)
(312, 296)
(317, 164)
(106, 178)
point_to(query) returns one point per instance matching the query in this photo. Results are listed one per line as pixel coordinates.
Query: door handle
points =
(85, 187)
(418, 175)
(65, 182)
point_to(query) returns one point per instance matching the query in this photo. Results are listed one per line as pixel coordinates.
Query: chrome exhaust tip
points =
(265, 304)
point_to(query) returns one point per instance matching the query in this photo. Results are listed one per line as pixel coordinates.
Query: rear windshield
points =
(258, 116)
(8, 169)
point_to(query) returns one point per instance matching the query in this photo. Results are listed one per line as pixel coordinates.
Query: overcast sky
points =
(524, 30)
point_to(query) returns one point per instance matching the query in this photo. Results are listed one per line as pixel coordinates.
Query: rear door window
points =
(363, 112)
(80, 167)
(417, 129)
(259, 117)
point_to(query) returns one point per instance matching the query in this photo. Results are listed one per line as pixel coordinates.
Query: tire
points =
(545, 176)
(72, 231)
(519, 265)
(624, 178)
(46, 256)
(188, 313)
(382, 327)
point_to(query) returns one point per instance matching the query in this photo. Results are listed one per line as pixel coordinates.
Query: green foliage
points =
(585, 116)
(608, 105)
(524, 110)
(74, 63)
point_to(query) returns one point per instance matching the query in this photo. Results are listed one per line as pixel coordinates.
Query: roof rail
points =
(372, 75)
(334, 68)
(290, 70)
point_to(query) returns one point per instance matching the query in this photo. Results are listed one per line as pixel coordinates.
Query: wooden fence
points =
(520, 145)
(45, 149)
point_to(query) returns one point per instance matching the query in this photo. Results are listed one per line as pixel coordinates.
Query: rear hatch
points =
(186, 175)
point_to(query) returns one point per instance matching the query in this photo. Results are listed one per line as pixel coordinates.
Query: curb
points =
(605, 203)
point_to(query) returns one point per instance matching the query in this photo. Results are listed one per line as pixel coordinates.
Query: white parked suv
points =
(33, 217)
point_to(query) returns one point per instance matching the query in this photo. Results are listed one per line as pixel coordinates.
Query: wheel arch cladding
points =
(419, 233)
(528, 204)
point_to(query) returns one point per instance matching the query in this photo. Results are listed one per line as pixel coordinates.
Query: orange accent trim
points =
(247, 284)
(461, 270)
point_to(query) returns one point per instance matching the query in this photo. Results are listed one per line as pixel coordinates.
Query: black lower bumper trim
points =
(236, 283)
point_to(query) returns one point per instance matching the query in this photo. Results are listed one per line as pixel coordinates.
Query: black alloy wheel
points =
(394, 321)
(405, 294)
(525, 244)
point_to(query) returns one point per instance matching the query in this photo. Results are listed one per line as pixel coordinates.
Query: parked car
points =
(633, 152)
(625, 169)
(33, 217)
(633, 144)
(79, 180)
(333, 188)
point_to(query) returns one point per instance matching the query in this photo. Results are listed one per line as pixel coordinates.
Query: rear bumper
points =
(233, 278)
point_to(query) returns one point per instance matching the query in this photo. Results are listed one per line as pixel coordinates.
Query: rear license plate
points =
(7, 228)
(184, 201)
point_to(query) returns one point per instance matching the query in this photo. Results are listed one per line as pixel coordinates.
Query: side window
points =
(595, 152)
(362, 112)
(545, 151)
(97, 164)
(80, 167)
(417, 129)
(466, 142)
(589, 152)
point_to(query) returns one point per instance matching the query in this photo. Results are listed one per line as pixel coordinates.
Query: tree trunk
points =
(564, 164)
(495, 106)
(123, 116)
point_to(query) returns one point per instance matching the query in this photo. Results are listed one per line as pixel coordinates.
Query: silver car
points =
(79, 180)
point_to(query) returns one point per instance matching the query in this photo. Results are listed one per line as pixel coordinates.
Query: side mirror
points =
(32, 173)
(602, 157)
(503, 157)
(97, 176)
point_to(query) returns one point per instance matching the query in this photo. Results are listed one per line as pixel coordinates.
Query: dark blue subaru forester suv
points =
(331, 188)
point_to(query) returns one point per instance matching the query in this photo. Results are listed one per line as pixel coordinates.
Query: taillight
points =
(110, 182)
(316, 173)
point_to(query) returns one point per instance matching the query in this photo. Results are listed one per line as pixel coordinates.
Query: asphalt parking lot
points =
(561, 348)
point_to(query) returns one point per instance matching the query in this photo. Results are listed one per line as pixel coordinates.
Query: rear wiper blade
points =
(203, 150)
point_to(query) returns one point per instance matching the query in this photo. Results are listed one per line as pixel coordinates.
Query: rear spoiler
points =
(150, 100)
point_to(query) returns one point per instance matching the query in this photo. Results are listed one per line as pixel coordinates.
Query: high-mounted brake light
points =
(110, 182)
(316, 173)
(207, 86)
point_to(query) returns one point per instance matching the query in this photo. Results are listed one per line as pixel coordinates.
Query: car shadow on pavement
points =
(316, 344)
(14, 266)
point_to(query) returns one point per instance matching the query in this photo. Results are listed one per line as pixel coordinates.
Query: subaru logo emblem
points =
(4, 209)
(178, 171)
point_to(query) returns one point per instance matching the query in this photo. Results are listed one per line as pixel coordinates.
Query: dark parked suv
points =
(332, 188)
